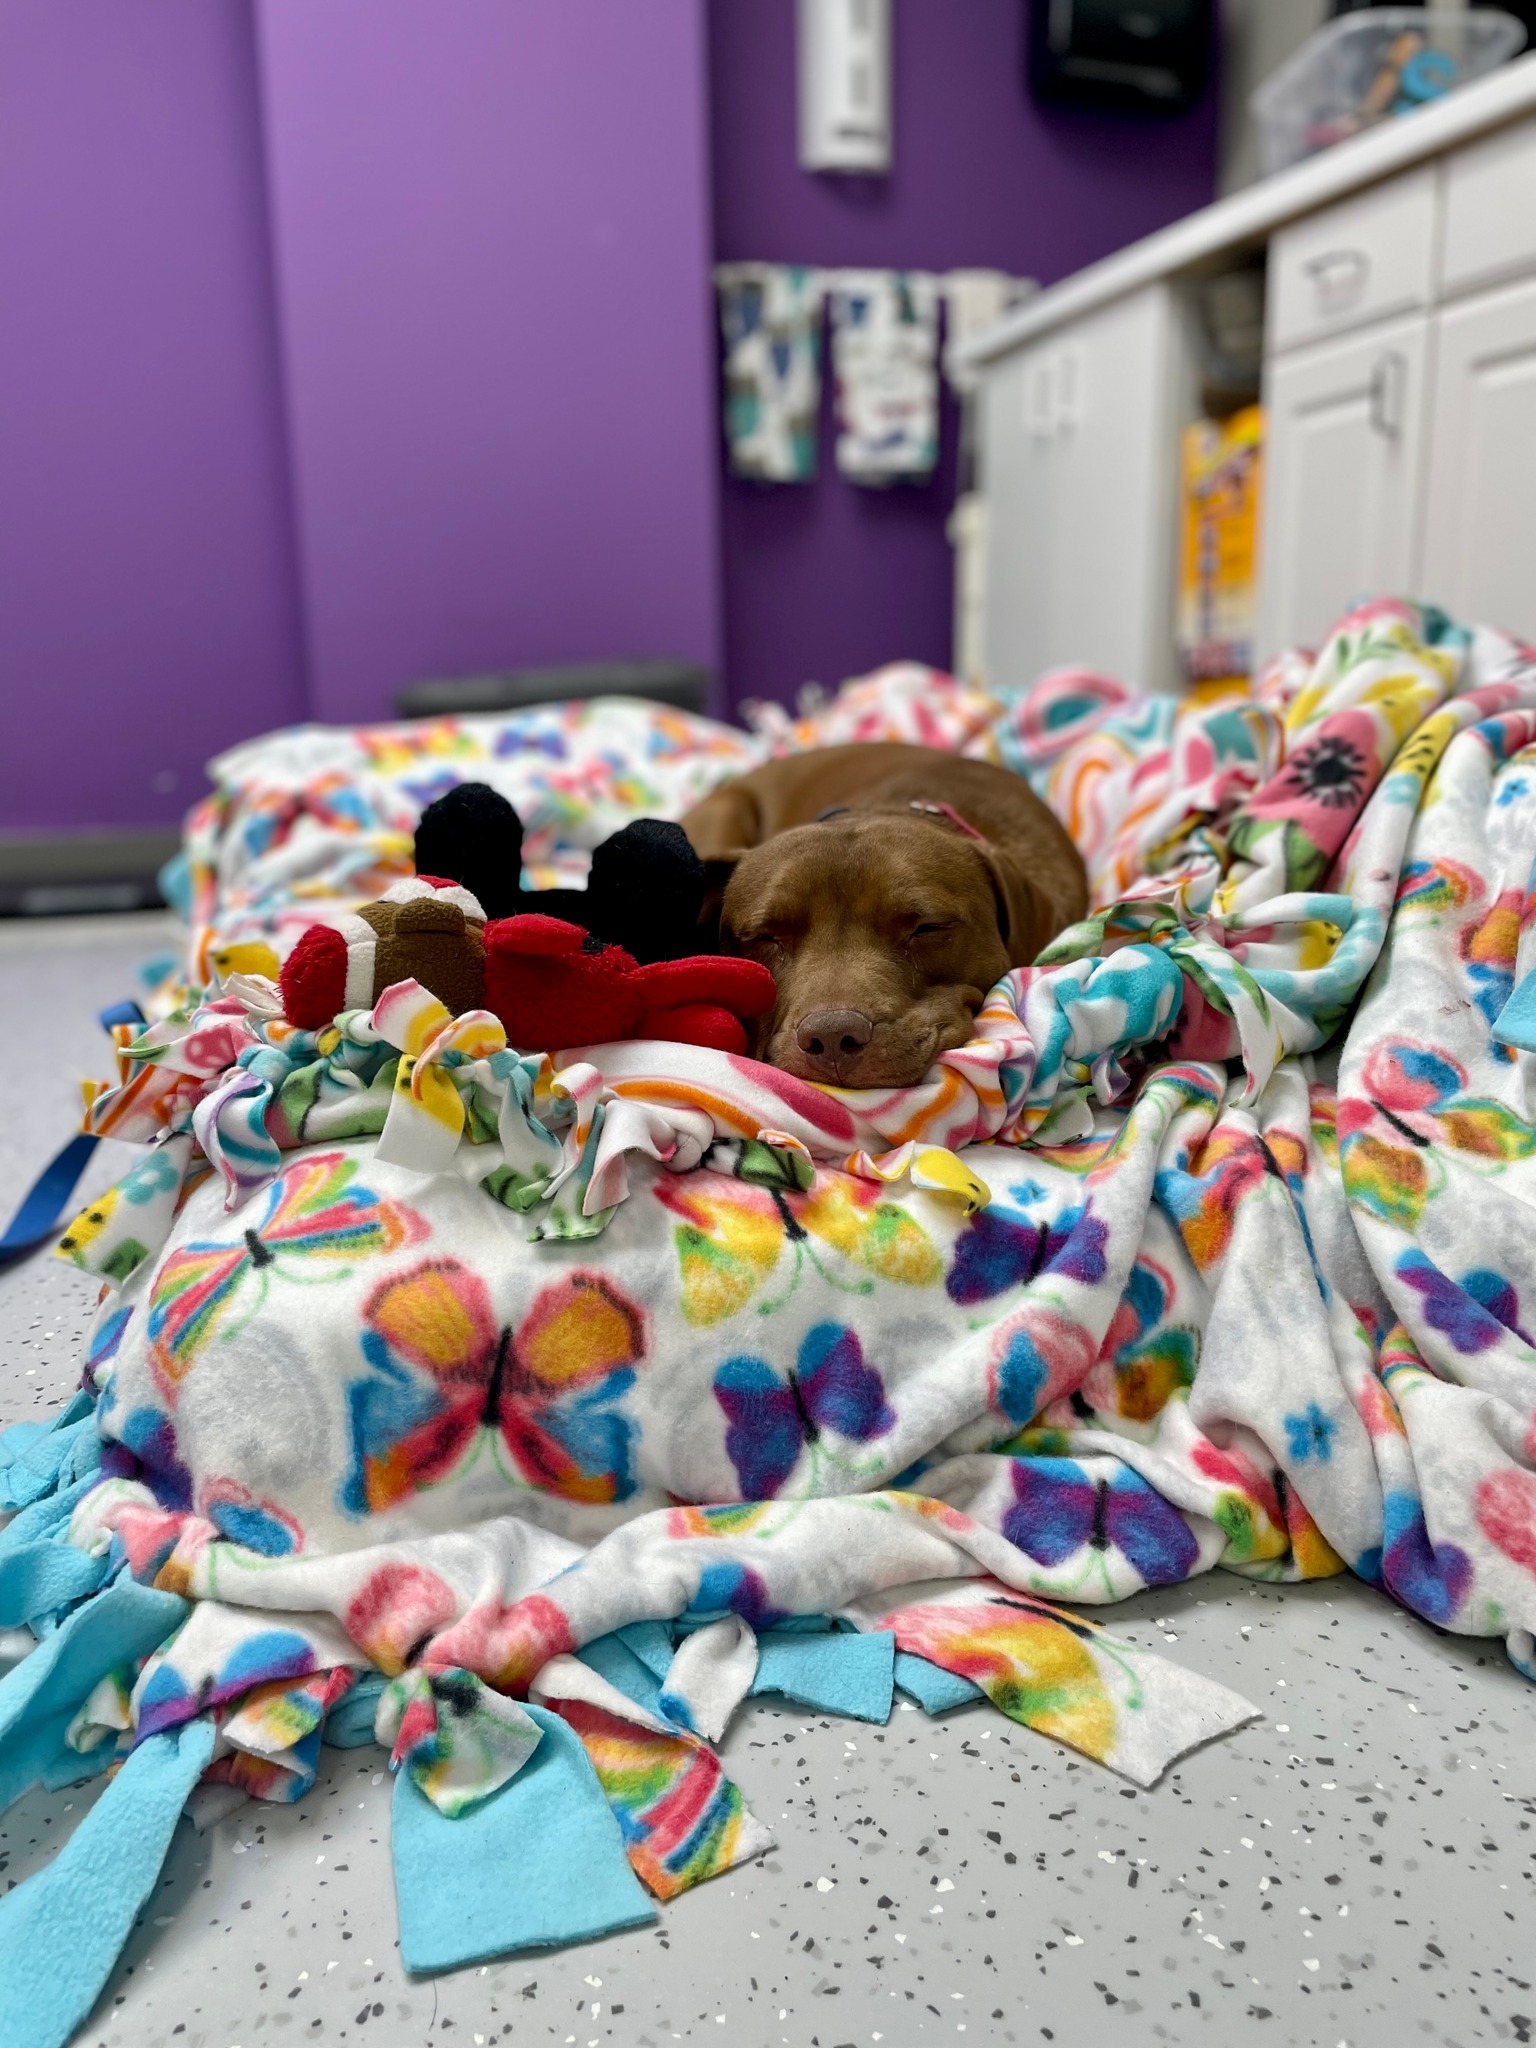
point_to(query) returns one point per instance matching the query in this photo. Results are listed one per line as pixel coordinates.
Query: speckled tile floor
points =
(1358, 1867)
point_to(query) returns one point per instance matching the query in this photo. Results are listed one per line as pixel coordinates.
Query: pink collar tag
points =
(946, 811)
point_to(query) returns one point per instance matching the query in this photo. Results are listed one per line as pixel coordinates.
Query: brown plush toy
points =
(422, 929)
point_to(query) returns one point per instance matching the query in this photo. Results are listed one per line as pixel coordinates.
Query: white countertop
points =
(1250, 216)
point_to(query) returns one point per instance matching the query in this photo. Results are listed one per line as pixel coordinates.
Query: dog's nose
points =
(833, 1035)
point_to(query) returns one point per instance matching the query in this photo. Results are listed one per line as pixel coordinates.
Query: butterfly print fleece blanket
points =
(443, 1394)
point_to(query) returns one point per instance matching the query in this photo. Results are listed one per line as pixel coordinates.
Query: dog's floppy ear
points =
(1026, 918)
(725, 824)
(721, 827)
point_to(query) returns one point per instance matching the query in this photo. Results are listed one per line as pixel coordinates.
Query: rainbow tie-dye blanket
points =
(431, 1376)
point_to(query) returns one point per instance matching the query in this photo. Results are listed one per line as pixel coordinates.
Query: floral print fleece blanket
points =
(453, 1396)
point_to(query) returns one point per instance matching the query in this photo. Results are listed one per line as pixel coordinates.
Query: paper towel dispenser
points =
(1149, 56)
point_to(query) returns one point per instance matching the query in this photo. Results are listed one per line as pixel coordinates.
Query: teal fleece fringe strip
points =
(40, 1697)
(63, 1930)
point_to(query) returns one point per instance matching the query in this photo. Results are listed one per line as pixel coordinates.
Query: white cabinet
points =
(1399, 385)
(1079, 438)
(1342, 458)
(1479, 557)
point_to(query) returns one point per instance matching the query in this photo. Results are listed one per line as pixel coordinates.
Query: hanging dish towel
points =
(885, 351)
(770, 319)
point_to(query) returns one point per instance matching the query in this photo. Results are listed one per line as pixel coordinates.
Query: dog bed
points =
(526, 1412)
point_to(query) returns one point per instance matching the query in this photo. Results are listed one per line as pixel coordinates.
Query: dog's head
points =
(884, 931)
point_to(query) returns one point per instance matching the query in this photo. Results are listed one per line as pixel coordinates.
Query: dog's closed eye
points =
(927, 924)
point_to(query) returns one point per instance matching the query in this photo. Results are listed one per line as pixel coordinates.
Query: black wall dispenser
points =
(1147, 56)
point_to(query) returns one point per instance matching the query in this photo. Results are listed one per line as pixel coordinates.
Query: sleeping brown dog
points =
(888, 887)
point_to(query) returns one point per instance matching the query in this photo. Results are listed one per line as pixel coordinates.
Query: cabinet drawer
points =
(1490, 210)
(1371, 257)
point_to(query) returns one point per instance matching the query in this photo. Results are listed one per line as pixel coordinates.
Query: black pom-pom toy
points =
(644, 891)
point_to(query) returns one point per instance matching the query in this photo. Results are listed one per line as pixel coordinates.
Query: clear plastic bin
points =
(1370, 66)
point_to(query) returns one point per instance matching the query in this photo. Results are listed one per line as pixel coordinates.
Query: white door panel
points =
(1344, 437)
(1480, 511)
(1079, 436)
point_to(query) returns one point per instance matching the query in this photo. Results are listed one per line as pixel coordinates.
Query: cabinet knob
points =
(1068, 391)
(1039, 403)
(1389, 381)
(1053, 395)
(1338, 278)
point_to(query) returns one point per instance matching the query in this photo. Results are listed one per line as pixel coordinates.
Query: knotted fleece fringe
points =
(601, 1779)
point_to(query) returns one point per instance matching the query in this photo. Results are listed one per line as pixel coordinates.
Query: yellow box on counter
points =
(1218, 546)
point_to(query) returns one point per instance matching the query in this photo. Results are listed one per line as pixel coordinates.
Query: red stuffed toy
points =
(552, 986)
(547, 981)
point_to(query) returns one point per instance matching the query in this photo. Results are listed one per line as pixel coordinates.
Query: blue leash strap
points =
(37, 1219)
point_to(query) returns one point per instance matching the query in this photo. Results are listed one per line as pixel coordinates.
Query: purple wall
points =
(827, 580)
(492, 234)
(374, 340)
(148, 613)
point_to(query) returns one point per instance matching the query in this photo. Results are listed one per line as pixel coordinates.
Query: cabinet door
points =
(1079, 460)
(1342, 460)
(1480, 507)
